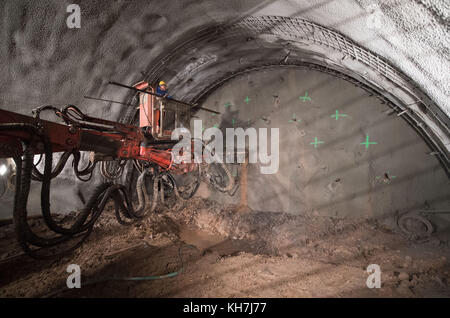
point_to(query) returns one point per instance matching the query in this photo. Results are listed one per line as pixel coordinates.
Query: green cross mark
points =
(227, 105)
(367, 143)
(247, 100)
(316, 142)
(305, 98)
(338, 115)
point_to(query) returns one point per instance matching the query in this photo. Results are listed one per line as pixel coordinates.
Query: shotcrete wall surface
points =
(44, 62)
(338, 176)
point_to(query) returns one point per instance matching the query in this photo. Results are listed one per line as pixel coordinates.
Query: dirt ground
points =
(218, 252)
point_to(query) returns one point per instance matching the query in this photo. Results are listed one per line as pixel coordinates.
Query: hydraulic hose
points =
(84, 222)
(38, 176)
(22, 188)
(88, 171)
(208, 177)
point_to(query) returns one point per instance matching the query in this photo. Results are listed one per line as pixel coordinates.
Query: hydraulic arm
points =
(112, 145)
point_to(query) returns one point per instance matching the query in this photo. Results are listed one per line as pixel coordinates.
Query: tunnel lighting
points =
(3, 170)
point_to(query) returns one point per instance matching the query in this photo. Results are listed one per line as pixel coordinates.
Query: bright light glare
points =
(3, 170)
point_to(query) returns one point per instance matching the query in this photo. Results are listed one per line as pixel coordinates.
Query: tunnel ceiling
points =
(197, 45)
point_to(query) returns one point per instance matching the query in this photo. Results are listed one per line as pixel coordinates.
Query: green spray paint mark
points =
(305, 98)
(294, 119)
(247, 100)
(338, 115)
(233, 122)
(227, 105)
(367, 143)
(316, 142)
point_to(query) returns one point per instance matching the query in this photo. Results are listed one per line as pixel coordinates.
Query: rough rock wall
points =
(44, 62)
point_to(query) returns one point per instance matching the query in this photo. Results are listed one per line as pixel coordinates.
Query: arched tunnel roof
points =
(197, 45)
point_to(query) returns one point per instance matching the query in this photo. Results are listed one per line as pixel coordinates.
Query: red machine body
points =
(158, 117)
(122, 142)
(110, 143)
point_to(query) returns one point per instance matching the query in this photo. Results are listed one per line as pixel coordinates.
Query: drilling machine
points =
(110, 144)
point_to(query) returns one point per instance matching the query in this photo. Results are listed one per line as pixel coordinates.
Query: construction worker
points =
(162, 89)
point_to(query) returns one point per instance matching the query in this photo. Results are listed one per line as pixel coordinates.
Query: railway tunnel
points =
(356, 91)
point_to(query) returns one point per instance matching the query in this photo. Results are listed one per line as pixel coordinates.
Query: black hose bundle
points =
(25, 235)
(84, 222)
(67, 239)
(112, 170)
(88, 171)
(38, 176)
(23, 180)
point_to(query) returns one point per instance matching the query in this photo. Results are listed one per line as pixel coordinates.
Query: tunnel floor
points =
(217, 251)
